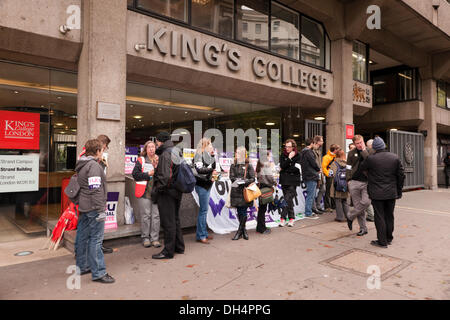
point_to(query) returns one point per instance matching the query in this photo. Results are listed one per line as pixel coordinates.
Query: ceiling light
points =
(16, 92)
(394, 129)
(270, 123)
(378, 83)
(296, 135)
(138, 117)
(404, 76)
(319, 118)
(59, 124)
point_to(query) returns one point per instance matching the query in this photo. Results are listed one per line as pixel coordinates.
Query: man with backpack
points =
(167, 196)
(327, 160)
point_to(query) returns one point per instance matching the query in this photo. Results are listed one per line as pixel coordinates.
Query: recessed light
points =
(138, 117)
(16, 92)
(319, 118)
(59, 124)
(296, 135)
(270, 123)
(160, 109)
(59, 98)
(394, 129)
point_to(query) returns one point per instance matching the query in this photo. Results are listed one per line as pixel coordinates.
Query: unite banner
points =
(222, 219)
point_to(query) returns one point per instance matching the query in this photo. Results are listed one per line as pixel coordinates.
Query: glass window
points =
(312, 42)
(395, 85)
(176, 9)
(441, 94)
(213, 15)
(359, 59)
(285, 31)
(130, 3)
(253, 13)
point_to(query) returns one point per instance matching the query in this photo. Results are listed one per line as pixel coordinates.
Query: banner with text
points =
(19, 173)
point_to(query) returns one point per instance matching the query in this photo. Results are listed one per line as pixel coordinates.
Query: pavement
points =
(315, 259)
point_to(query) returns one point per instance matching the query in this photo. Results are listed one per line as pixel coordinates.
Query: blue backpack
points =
(340, 180)
(185, 179)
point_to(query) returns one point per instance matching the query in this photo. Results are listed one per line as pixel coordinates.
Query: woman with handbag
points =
(204, 168)
(242, 175)
(143, 172)
(266, 184)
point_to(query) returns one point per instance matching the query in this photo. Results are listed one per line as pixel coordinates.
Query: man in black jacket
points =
(310, 173)
(167, 197)
(289, 179)
(385, 183)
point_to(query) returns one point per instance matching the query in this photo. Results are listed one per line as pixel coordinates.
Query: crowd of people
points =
(368, 179)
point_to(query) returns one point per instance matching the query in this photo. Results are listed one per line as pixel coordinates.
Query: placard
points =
(111, 210)
(130, 159)
(19, 173)
(19, 130)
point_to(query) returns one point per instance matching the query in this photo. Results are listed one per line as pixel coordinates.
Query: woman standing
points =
(242, 175)
(265, 180)
(340, 197)
(143, 175)
(205, 165)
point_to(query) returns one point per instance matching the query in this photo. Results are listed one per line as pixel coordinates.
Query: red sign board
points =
(349, 131)
(19, 130)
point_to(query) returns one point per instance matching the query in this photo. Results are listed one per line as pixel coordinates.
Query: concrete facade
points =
(103, 53)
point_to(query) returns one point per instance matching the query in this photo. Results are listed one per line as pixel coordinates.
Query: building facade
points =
(71, 70)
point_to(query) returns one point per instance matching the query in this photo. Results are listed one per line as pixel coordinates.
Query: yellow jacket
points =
(326, 160)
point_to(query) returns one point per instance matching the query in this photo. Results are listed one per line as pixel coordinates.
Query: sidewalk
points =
(316, 259)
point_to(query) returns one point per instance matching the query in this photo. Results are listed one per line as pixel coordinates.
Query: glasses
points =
(290, 147)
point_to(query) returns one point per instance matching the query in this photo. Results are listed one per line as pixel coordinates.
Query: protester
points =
(289, 180)
(321, 184)
(351, 146)
(265, 180)
(339, 187)
(92, 205)
(242, 175)
(447, 170)
(369, 210)
(205, 165)
(327, 160)
(357, 185)
(310, 173)
(167, 197)
(143, 173)
(385, 183)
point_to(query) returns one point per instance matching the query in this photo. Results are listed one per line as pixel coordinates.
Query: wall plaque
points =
(108, 111)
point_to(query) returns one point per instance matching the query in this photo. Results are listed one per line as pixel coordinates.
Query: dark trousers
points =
(169, 208)
(289, 193)
(329, 202)
(447, 178)
(384, 219)
(261, 219)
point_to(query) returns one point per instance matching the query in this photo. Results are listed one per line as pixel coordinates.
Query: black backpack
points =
(72, 190)
(340, 180)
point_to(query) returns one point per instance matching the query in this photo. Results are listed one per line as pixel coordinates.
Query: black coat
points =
(289, 174)
(205, 164)
(237, 193)
(310, 169)
(385, 175)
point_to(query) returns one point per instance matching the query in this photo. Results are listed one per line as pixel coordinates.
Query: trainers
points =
(312, 217)
(156, 244)
(146, 243)
(283, 223)
(105, 279)
(291, 223)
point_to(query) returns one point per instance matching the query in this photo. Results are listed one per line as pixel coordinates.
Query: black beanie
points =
(163, 136)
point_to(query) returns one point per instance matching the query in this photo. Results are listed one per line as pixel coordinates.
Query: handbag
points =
(266, 195)
(251, 192)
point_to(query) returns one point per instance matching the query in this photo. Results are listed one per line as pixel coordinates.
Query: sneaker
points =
(156, 244)
(283, 223)
(300, 216)
(312, 217)
(291, 223)
(146, 243)
(105, 279)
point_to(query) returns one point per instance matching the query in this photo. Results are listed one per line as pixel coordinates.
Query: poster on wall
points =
(131, 155)
(111, 210)
(19, 130)
(222, 219)
(19, 173)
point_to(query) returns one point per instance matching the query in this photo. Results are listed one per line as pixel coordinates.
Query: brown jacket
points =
(334, 193)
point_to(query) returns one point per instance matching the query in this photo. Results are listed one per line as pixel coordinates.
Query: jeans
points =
(310, 194)
(88, 245)
(203, 199)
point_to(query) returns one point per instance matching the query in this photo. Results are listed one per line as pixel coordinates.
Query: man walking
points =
(357, 185)
(327, 160)
(321, 184)
(385, 183)
(310, 172)
(167, 197)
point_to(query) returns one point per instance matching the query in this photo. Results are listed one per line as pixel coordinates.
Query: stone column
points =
(102, 77)
(340, 112)
(429, 97)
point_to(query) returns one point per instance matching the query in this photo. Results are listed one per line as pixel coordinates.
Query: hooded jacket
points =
(165, 172)
(310, 169)
(326, 162)
(92, 181)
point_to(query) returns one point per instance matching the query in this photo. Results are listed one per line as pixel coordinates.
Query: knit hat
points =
(163, 136)
(378, 144)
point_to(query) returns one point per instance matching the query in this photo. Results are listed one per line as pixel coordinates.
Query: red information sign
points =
(349, 131)
(19, 130)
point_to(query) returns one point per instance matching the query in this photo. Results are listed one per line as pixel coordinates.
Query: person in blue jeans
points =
(310, 175)
(205, 165)
(92, 206)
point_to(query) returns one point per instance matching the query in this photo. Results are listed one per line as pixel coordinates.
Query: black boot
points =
(244, 230)
(239, 232)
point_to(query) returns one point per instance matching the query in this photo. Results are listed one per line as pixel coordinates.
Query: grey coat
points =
(92, 181)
